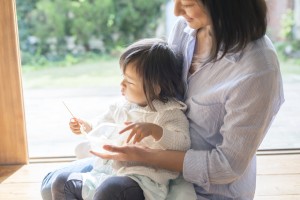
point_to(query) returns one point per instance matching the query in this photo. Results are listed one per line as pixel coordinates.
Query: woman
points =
(233, 92)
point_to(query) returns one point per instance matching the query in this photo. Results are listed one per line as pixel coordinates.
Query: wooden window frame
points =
(13, 142)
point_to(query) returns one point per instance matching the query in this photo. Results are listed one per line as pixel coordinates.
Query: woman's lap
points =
(80, 166)
(121, 187)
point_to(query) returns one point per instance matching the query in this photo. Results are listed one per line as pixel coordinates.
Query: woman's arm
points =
(251, 103)
(166, 159)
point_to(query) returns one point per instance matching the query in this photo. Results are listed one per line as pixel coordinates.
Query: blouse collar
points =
(232, 57)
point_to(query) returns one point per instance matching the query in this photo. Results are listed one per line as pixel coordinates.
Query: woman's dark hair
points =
(235, 23)
(158, 65)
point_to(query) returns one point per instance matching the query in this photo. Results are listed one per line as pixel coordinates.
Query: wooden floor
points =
(278, 178)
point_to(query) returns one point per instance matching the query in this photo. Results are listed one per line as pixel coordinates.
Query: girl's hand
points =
(75, 124)
(141, 130)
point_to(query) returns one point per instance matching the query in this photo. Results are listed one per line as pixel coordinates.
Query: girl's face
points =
(132, 86)
(193, 12)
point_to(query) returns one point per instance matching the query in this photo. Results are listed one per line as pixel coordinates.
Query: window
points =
(80, 87)
(72, 57)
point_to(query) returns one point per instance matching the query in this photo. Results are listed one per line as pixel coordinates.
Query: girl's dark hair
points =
(158, 65)
(235, 23)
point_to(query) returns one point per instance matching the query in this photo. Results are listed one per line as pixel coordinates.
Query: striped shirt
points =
(231, 105)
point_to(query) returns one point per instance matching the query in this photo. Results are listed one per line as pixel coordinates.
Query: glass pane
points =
(89, 84)
(72, 56)
(284, 30)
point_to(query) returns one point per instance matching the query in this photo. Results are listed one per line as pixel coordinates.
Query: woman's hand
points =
(76, 123)
(141, 130)
(123, 153)
(166, 159)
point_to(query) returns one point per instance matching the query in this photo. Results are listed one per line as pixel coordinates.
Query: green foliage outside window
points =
(289, 47)
(99, 26)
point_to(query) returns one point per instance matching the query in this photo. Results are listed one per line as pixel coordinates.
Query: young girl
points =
(155, 119)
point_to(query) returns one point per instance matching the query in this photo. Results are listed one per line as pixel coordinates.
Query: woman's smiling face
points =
(193, 11)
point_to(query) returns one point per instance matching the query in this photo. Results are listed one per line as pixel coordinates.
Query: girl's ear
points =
(157, 90)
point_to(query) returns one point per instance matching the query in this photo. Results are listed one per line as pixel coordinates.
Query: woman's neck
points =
(202, 48)
(203, 42)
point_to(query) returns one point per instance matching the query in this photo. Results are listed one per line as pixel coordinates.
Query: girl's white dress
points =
(154, 181)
